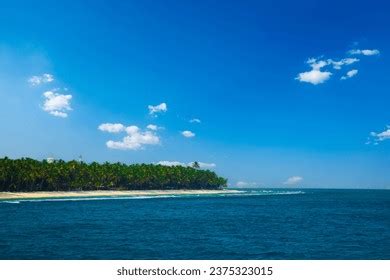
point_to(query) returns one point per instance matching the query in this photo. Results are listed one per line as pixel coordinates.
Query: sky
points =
(265, 93)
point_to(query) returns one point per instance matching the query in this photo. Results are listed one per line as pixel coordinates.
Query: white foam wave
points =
(86, 198)
(265, 193)
(242, 193)
(10, 201)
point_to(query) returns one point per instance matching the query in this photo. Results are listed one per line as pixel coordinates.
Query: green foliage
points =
(27, 175)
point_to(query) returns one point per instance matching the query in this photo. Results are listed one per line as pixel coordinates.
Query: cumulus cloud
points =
(171, 163)
(42, 79)
(380, 136)
(154, 127)
(321, 68)
(384, 135)
(195, 121)
(314, 77)
(293, 180)
(56, 104)
(364, 52)
(158, 108)
(243, 184)
(316, 64)
(135, 139)
(338, 64)
(203, 165)
(350, 74)
(112, 127)
(188, 134)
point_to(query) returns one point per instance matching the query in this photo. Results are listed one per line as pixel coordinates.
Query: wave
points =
(11, 201)
(85, 198)
(242, 193)
(281, 192)
(264, 193)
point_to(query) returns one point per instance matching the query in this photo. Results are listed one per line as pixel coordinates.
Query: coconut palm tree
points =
(27, 174)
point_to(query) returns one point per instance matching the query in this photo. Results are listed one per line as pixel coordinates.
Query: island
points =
(29, 178)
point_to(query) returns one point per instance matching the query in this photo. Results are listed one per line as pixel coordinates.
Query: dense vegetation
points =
(27, 175)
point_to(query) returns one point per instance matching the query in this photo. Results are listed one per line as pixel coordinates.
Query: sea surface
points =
(257, 224)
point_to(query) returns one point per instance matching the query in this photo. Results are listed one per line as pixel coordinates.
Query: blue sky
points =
(268, 115)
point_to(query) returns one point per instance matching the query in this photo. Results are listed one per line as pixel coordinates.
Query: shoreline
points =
(132, 193)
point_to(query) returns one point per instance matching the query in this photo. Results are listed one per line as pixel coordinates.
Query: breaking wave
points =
(235, 194)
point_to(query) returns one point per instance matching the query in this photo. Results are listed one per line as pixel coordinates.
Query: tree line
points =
(28, 175)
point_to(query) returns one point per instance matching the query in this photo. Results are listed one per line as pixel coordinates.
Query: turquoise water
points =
(257, 224)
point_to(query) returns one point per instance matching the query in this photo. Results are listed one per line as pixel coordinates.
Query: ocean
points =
(257, 224)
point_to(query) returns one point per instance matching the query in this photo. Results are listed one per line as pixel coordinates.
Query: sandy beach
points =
(32, 195)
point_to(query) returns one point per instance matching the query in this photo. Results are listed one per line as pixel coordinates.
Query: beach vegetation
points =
(29, 175)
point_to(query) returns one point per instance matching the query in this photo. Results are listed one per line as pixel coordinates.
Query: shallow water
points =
(257, 224)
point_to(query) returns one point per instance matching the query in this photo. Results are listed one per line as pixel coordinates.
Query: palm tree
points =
(26, 174)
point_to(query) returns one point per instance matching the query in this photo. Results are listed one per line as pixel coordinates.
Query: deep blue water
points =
(281, 224)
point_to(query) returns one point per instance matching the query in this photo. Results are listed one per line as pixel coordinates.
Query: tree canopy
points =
(28, 175)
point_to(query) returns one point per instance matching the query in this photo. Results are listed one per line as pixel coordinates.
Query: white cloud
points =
(188, 134)
(314, 77)
(293, 180)
(381, 136)
(207, 165)
(42, 79)
(345, 61)
(202, 165)
(135, 139)
(59, 114)
(112, 127)
(320, 72)
(158, 108)
(384, 135)
(350, 74)
(316, 64)
(56, 104)
(195, 121)
(364, 52)
(243, 184)
(132, 129)
(154, 127)
(171, 163)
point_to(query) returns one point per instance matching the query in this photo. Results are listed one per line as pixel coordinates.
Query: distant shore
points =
(37, 195)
